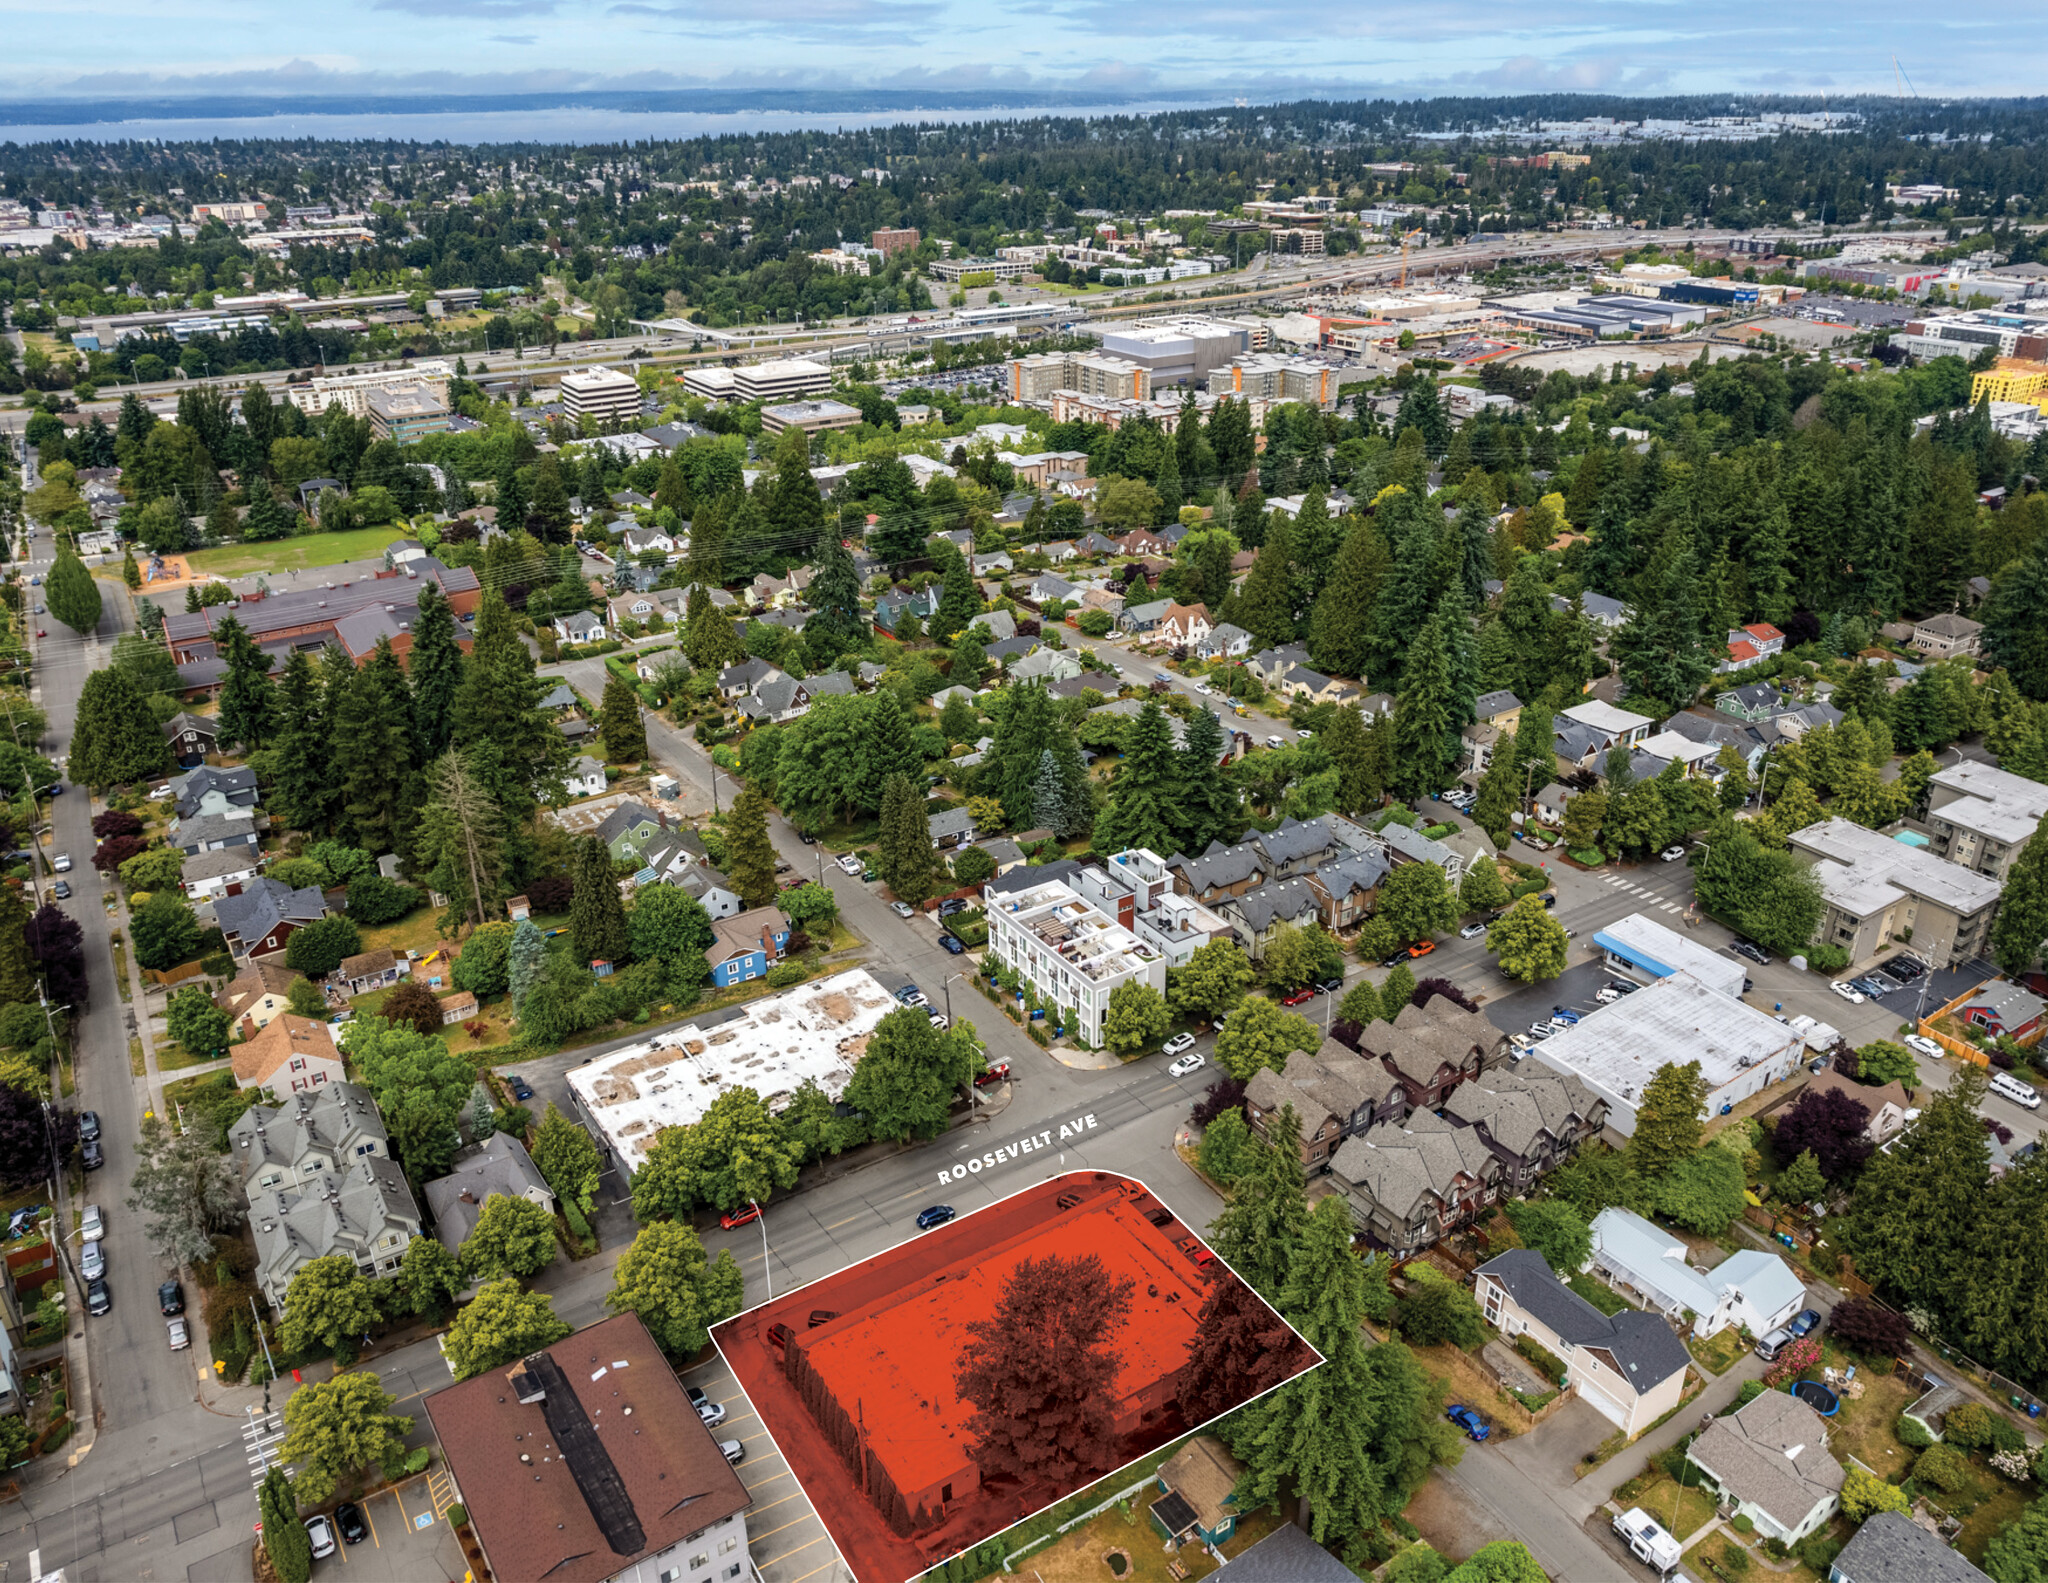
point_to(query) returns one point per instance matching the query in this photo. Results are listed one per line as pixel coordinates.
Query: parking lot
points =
(784, 1536)
(408, 1542)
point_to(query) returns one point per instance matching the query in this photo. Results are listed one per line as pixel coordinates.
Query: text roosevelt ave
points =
(1009, 1152)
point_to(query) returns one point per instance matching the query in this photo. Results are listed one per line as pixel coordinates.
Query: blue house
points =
(747, 945)
(1195, 1506)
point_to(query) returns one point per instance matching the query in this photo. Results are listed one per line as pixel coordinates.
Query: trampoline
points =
(1818, 1397)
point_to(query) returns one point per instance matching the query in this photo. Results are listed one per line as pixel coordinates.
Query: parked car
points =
(1753, 951)
(348, 1517)
(1920, 1044)
(934, 1215)
(61, 890)
(1607, 995)
(61, 863)
(1475, 1427)
(1272, 742)
(807, 838)
(321, 1532)
(1622, 986)
(521, 1089)
(1193, 1061)
(1178, 1043)
(733, 1451)
(98, 1300)
(1472, 931)
(180, 1334)
(1421, 948)
(733, 1219)
(92, 1155)
(849, 864)
(909, 994)
(1848, 992)
(951, 945)
(1328, 986)
(940, 1021)
(1671, 854)
(92, 1225)
(869, 875)
(999, 1073)
(1298, 997)
(1803, 1321)
(170, 1299)
(1872, 987)
(1906, 969)
(1563, 1014)
(713, 1413)
(92, 1261)
(903, 909)
(88, 1125)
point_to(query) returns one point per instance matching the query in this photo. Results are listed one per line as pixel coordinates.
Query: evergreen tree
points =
(549, 511)
(959, 603)
(794, 510)
(907, 860)
(372, 753)
(498, 703)
(1341, 624)
(17, 961)
(2023, 907)
(1258, 1230)
(1168, 486)
(1024, 730)
(1049, 795)
(750, 856)
(887, 746)
(116, 739)
(619, 723)
(510, 499)
(247, 699)
(303, 786)
(671, 492)
(73, 596)
(461, 841)
(2015, 620)
(1426, 715)
(1266, 607)
(1408, 593)
(1144, 807)
(525, 961)
(1318, 537)
(834, 597)
(1210, 808)
(709, 641)
(435, 671)
(597, 916)
(1664, 651)
(1358, 750)
(266, 517)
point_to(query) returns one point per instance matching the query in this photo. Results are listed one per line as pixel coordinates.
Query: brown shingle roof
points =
(259, 978)
(532, 1517)
(284, 1038)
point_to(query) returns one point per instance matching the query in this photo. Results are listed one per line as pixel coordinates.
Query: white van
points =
(2006, 1086)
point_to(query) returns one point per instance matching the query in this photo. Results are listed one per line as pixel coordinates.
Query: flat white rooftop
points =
(1863, 871)
(1605, 717)
(1676, 1019)
(1661, 952)
(813, 1034)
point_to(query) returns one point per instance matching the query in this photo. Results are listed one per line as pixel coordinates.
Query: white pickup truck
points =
(1646, 1540)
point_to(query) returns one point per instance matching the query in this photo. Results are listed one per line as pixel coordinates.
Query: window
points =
(670, 1575)
(728, 1545)
(732, 1571)
(698, 1561)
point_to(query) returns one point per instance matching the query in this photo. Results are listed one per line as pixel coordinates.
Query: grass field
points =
(291, 555)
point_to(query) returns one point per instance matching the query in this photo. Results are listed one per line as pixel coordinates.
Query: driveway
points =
(1552, 1452)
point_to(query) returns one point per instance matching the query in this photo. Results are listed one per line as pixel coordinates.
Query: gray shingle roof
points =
(1773, 1455)
(1642, 1344)
(1283, 900)
(1286, 1555)
(502, 1165)
(264, 905)
(1891, 1548)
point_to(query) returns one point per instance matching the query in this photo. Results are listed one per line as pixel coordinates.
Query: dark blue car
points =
(1475, 1427)
(1804, 1321)
(934, 1215)
(951, 946)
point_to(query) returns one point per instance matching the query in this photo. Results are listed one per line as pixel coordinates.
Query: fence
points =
(1093, 1512)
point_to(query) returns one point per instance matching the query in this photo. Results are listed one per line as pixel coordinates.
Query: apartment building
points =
(903, 240)
(1038, 377)
(1876, 889)
(351, 392)
(1137, 889)
(955, 269)
(601, 394)
(1072, 951)
(1273, 376)
(1980, 816)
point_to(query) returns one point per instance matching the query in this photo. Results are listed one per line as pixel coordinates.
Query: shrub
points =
(1776, 1549)
(457, 1514)
(1817, 1552)
(783, 974)
(1734, 1558)
(1868, 1327)
(1944, 1467)
(1751, 1390)
(1968, 1426)
(1913, 1433)
(1742, 1523)
(1542, 1357)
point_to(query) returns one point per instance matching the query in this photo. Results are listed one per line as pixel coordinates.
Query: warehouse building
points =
(1615, 1050)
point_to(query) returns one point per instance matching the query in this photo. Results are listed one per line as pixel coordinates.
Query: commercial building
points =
(1908, 280)
(405, 412)
(1178, 351)
(811, 1034)
(1072, 951)
(1616, 1049)
(780, 379)
(1980, 816)
(1644, 950)
(955, 269)
(231, 213)
(586, 1463)
(1629, 1366)
(904, 240)
(1272, 376)
(351, 392)
(601, 394)
(1876, 889)
(712, 382)
(2014, 332)
(810, 416)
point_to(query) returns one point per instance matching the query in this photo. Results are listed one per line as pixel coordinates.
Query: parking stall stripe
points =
(816, 1570)
(784, 1501)
(799, 1550)
(771, 1533)
(750, 1488)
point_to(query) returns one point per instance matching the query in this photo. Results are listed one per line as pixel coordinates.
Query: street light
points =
(767, 1272)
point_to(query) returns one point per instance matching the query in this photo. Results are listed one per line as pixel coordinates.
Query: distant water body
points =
(568, 124)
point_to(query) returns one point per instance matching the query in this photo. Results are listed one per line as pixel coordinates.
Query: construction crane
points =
(1905, 82)
(1404, 253)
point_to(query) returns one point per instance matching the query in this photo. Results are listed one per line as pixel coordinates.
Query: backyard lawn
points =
(1863, 1428)
(295, 554)
(1078, 1557)
(1719, 1352)
(1693, 1506)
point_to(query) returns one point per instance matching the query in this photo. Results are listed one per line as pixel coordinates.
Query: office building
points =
(783, 379)
(810, 416)
(586, 1463)
(890, 242)
(405, 412)
(601, 394)
(811, 1034)
(956, 269)
(231, 213)
(1876, 889)
(351, 392)
(2013, 332)
(1074, 952)
(1980, 816)
(1616, 1049)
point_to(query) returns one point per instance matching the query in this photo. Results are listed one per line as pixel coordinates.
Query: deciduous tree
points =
(1527, 941)
(330, 1303)
(513, 1236)
(503, 1324)
(738, 1153)
(1262, 1034)
(665, 1278)
(905, 1081)
(336, 1426)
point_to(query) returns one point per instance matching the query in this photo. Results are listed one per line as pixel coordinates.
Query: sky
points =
(100, 49)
